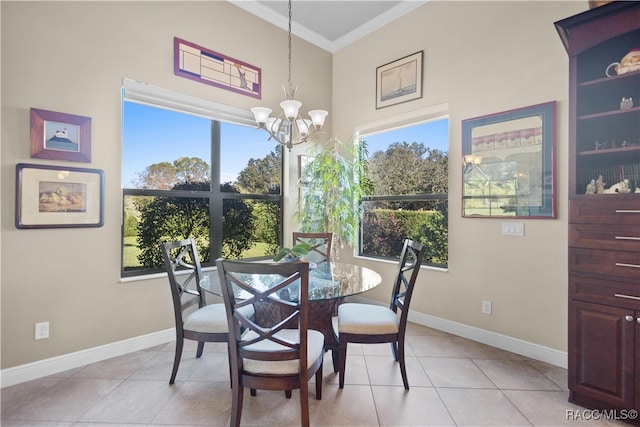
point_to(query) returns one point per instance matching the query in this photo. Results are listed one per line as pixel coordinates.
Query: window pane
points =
(162, 148)
(176, 184)
(387, 223)
(251, 228)
(150, 220)
(250, 163)
(408, 168)
(411, 160)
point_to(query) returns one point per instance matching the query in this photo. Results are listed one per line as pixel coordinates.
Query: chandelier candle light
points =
(283, 128)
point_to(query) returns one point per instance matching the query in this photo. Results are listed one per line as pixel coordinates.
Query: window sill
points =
(392, 262)
(153, 276)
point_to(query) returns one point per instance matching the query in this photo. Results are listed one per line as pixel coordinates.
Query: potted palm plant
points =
(335, 182)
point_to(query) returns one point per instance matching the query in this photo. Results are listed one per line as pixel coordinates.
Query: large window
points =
(191, 175)
(409, 172)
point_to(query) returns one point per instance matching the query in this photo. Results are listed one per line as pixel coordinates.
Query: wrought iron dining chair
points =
(281, 355)
(195, 320)
(373, 324)
(320, 245)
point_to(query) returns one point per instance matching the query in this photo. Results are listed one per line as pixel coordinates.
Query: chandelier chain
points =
(289, 128)
(290, 93)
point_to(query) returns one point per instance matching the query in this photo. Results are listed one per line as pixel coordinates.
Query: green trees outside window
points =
(231, 205)
(410, 181)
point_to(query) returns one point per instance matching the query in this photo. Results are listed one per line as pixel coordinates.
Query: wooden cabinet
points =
(605, 378)
(604, 228)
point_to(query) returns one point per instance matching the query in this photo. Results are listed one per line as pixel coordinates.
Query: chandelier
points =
(289, 128)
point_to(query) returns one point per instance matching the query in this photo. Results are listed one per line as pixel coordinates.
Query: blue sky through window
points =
(153, 135)
(433, 134)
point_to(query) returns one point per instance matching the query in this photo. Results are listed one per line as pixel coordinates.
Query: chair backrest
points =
(183, 268)
(245, 283)
(320, 245)
(408, 269)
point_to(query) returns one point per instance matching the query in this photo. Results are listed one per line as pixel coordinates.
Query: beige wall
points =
(480, 58)
(72, 57)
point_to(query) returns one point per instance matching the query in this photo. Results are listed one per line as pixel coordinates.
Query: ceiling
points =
(330, 24)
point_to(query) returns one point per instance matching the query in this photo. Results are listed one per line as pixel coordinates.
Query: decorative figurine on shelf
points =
(591, 187)
(626, 103)
(599, 185)
(621, 187)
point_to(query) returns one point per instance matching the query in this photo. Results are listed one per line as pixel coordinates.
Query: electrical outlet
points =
(42, 330)
(486, 307)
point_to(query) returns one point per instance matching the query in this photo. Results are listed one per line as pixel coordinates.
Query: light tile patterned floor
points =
(454, 382)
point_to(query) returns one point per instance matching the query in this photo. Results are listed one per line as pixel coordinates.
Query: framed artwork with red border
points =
(60, 136)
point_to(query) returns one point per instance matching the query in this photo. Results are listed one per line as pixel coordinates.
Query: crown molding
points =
(280, 21)
(376, 23)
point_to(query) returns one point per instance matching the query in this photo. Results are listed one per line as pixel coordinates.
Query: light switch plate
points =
(513, 229)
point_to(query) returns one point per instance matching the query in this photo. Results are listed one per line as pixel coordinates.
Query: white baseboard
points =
(494, 339)
(42, 368)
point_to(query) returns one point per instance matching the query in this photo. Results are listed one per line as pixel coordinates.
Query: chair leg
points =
(319, 383)
(229, 363)
(200, 348)
(394, 351)
(403, 366)
(287, 394)
(236, 406)
(176, 359)
(304, 402)
(253, 391)
(342, 362)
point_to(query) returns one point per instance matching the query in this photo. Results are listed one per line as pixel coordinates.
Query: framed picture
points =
(399, 81)
(60, 136)
(509, 164)
(203, 65)
(58, 197)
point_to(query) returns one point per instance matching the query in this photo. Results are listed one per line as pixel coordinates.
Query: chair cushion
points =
(315, 348)
(211, 318)
(366, 319)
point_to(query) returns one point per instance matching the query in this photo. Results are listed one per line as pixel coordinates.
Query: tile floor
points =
(454, 382)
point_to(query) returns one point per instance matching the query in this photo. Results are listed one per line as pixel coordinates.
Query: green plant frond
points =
(332, 198)
(301, 249)
(295, 252)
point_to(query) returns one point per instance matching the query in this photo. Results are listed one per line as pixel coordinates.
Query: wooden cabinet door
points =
(601, 355)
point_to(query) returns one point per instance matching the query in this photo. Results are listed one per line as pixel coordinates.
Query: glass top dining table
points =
(327, 280)
(329, 284)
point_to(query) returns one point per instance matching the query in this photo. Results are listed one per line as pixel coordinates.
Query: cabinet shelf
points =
(610, 80)
(612, 128)
(610, 113)
(603, 96)
(611, 151)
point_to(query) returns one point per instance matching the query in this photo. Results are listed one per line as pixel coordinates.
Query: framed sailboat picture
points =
(399, 81)
(60, 136)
